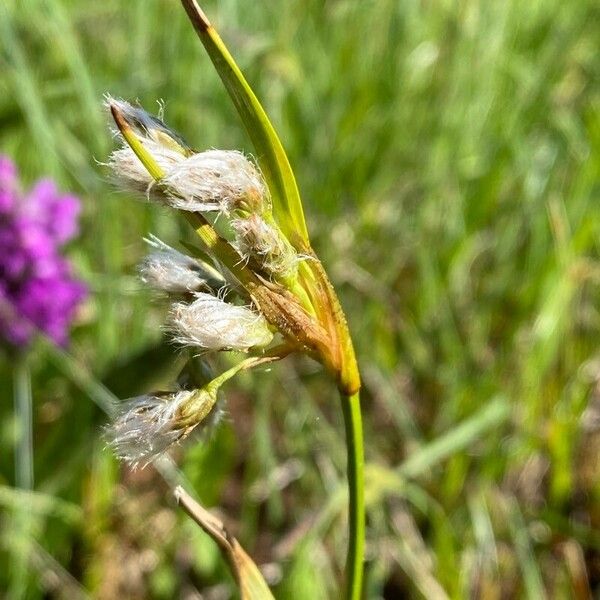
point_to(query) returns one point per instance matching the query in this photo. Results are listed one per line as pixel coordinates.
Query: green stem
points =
(23, 476)
(22, 406)
(356, 489)
(276, 353)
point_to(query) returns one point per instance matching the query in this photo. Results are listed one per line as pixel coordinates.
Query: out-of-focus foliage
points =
(448, 155)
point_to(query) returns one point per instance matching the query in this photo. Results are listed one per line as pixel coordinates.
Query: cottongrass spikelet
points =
(148, 425)
(166, 147)
(213, 324)
(147, 127)
(211, 181)
(257, 240)
(215, 180)
(168, 270)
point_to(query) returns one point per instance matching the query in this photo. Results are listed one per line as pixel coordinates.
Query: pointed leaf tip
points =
(196, 15)
(272, 158)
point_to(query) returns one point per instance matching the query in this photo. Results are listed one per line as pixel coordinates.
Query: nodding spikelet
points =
(263, 243)
(166, 147)
(215, 180)
(213, 324)
(169, 270)
(148, 425)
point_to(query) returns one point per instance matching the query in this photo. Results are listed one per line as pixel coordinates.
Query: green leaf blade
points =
(271, 156)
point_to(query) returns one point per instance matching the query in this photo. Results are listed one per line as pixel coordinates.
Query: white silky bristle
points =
(215, 180)
(148, 425)
(131, 173)
(213, 324)
(266, 245)
(169, 270)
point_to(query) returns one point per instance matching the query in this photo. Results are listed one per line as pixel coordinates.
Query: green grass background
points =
(448, 155)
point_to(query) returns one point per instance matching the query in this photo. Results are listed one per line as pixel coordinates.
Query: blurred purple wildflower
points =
(37, 288)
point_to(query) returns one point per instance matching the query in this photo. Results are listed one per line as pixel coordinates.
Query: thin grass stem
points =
(23, 476)
(23, 418)
(356, 490)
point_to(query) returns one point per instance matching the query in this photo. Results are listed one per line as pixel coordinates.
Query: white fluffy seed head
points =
(263, 243)
(215, 180)
(130, 173)
(166, 147)
(169, 270)
(148, 425)
(213, 324)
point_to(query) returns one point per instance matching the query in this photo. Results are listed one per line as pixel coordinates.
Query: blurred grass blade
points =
(83, 379)
(38, 503)
(271, 156)
(492, 416)
(413, 556)
(22, 520)
(27, 93)
(532, 577)
(58, 582)
(23, 410)
(250, 581)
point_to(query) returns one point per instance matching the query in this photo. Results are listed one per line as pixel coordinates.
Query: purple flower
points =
(37, 288)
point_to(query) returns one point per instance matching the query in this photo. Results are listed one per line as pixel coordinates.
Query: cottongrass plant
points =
(269, 295)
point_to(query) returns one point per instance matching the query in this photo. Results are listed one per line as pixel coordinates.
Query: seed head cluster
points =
(206, 314)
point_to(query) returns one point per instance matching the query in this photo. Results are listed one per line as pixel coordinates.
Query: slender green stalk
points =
(356, 490)
(22, 406)
(23, 475)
